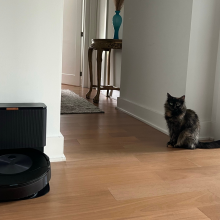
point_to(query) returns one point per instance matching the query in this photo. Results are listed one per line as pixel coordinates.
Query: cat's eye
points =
(171, 103)
(178, 104)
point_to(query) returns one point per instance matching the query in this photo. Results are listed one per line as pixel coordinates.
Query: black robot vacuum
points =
(24, 168)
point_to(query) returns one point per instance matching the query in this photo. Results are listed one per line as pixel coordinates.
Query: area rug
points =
(71, 103)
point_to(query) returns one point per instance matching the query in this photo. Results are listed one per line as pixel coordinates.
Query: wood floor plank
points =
(189, 173)
(137, 190)
(191, 214)
(88, 148)
(212, 212)
(87, 136)
(91, 155)
(165, 161)
(111, 140)
(90, 130)
(111, 161)
(206, 161)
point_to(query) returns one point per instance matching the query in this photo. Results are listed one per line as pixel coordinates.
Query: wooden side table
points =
(101, 45)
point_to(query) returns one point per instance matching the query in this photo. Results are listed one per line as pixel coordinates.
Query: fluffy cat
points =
(183, 125)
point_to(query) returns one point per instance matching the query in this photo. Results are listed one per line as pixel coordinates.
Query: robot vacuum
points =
(24, 168)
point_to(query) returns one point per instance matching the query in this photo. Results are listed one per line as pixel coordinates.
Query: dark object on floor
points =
(24, 169)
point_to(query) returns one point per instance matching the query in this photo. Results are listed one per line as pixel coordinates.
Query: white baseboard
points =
(54, 148)
(156, 119)
(205, 132)
(67, 79)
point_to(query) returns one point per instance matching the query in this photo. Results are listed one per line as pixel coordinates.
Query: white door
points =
(72, 25)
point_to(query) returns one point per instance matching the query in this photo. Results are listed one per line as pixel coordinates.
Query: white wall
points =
(72, 17)
(101, 19)
(175, 51)
(216, 96)
(216, 101)
(31, 60)
(90, 11)
(154, 56)
(102, 13)
(202, 60)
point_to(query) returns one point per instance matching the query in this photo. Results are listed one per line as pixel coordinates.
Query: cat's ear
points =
(168, 95)
(182, 98)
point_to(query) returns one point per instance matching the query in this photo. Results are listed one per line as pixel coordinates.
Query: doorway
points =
(72, 28)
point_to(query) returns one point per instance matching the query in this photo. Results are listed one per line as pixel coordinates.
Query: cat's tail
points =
(209, 145)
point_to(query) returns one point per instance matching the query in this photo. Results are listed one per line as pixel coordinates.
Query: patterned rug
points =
(71, 103)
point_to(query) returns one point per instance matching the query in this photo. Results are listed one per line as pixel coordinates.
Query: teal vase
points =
(116, 20)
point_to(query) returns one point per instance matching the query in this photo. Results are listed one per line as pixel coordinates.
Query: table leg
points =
(109, 56)
(99, 68)
(90, 72)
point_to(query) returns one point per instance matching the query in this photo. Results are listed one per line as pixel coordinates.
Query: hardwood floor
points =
(119, 168)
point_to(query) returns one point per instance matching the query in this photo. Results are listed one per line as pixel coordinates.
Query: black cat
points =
(183, 125)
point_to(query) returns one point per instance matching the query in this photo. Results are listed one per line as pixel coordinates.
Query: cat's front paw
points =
(169, 144)
(176, 146)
